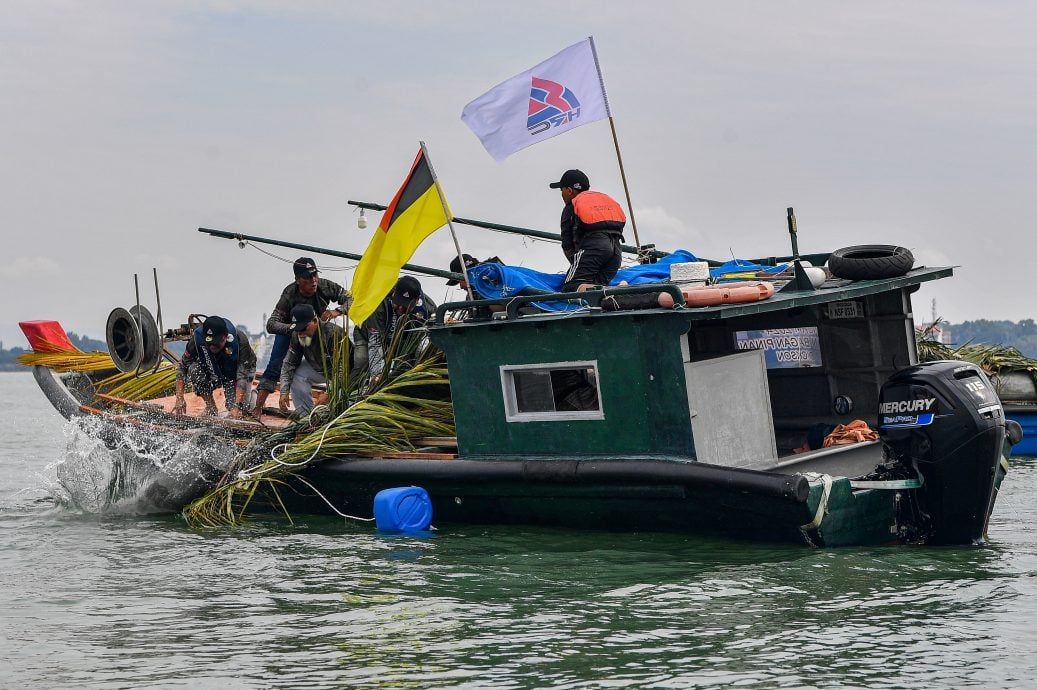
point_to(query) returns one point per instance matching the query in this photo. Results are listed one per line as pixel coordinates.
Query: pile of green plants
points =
(363, 414)
(993, 359)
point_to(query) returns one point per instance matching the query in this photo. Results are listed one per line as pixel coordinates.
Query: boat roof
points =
(832, 290)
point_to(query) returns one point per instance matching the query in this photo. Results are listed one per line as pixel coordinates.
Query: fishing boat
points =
(1018, 393)
(628, 409)
(1013, 374)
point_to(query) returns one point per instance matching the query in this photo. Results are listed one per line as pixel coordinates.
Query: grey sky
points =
(126, 126)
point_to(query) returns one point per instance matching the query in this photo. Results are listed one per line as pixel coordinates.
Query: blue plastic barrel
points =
(403, 509)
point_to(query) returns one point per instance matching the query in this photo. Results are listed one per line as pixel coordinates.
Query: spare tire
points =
(870, 262)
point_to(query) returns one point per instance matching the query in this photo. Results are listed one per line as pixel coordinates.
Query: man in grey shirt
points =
(310, 359)
(309, 289)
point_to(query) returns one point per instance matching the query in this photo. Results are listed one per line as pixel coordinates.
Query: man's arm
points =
(291, 363)
(230, 397)
(278, 323)
(246, 368)
(338, 294)
(568, 226)
(246, 356)
(180, 407)
(359, 348)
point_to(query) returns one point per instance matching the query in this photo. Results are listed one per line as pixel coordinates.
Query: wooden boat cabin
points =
(739, 385)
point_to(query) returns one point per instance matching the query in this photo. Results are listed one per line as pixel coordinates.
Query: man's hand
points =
(234, 412)
(283, 401)
(211, 410)
(181, 405)
(329, 314)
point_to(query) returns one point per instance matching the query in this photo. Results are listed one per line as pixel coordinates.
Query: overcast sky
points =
(126, 126)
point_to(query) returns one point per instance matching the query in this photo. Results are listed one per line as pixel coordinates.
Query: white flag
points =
(559, 94)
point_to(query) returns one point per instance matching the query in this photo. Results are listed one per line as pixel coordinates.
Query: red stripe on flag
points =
(390, 210)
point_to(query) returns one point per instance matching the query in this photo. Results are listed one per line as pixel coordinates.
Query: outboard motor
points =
(944, 420)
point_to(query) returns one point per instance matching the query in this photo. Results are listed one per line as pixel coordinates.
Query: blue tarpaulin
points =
(497, 280)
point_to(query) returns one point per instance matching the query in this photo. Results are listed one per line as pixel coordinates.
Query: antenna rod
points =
(647, 250)
(413, 268)
(792, 232)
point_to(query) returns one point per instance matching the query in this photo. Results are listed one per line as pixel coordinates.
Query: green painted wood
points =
(641, 378)
(865, 517)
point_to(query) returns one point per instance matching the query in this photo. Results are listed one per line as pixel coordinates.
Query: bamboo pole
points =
(449, 222)
(511, 229)
(619, 156)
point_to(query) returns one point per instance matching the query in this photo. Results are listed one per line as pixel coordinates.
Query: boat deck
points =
(196, 410)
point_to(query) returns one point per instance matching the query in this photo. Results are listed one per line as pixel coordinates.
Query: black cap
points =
(406, 292)
(304, 267)
(455, 266)
(213, 328)
(302, 314)
(572, 178)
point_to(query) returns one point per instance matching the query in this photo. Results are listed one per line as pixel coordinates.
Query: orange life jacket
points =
(593, 208)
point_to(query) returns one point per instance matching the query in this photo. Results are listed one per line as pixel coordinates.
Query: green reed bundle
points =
(383, 414)
(991, 358)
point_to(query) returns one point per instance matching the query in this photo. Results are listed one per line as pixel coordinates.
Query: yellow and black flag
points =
(415, 212)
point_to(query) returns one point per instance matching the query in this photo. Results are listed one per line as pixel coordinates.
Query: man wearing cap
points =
(310, 358)
(407, 306)
(592, 230)
(470, 261)
(309, 289)
(455, 267)
(218, 356)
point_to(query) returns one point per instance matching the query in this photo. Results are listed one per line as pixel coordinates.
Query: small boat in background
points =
(1018, 394)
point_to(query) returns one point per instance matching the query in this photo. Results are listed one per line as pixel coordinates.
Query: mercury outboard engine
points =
(944, 420)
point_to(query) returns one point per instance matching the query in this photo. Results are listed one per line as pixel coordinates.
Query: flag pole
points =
(615, 140)
(449, 218)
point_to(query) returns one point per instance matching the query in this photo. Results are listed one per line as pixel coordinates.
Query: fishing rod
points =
(241, 239)
(649, 251)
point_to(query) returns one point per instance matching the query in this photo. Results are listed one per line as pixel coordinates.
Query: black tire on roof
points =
(870, 262)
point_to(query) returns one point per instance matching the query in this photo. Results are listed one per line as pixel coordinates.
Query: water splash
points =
(109, 469)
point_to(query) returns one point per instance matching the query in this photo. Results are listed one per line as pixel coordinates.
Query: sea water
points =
(95, 596)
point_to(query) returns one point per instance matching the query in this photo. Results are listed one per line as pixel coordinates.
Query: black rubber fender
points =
(1013, 431)
(870, 262)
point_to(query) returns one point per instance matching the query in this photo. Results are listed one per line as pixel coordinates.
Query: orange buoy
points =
(712, 295)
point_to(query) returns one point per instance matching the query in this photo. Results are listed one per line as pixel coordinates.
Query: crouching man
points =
(407, 306)
(310, 358)
(218, 355)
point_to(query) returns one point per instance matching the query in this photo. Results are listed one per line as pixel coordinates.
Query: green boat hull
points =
(840, 516)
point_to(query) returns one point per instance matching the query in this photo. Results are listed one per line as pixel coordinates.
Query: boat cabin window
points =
(551, 392)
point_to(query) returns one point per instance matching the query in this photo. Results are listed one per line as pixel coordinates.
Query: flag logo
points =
(550, 104)
(561, 93)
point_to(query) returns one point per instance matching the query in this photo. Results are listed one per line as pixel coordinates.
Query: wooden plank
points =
(409, 455)
(196, 411)
(444, 441)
